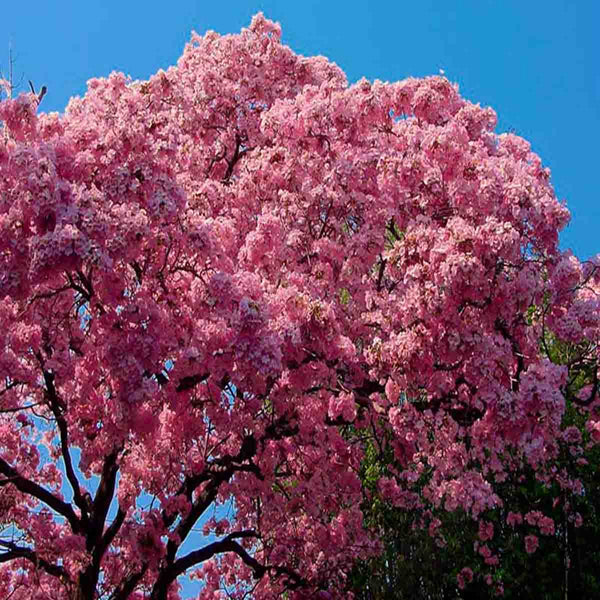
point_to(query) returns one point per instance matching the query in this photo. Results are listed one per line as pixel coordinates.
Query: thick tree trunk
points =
(85, 589)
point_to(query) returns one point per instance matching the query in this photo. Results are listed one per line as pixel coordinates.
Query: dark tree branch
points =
(501, 327)
(87, 281)
(104, 496)
(198, 507)
(191, 381)
(227, 466)
(181, 565)
(237, 154)
(129, 584)
(15, 552)
(324, 221)
(19, 408)
(111, 532)
(10, 386)
(391, 228)
(27, 486)
(225, 545)
(96, 542)
(78, 288)
(39, 95)
(190, 483)
(217, 472)
(382, 264)
(57, 411)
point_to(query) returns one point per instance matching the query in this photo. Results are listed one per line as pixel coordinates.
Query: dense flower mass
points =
(224, 283)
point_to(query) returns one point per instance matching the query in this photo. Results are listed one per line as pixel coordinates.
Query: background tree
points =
(228, 282)
(417, 564)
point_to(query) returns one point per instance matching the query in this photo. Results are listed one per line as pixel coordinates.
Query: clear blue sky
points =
(535, 63)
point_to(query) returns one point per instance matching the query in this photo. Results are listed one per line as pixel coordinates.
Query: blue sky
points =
(533, 62)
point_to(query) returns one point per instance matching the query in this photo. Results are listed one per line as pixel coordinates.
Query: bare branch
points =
(27, 486)
(382, 263)
(237, 154)
(15, 552)
(191, 381)
(104, 496)
(41, 93)
(501, 327)
(57, 410)
(181, 565)
(129, 584)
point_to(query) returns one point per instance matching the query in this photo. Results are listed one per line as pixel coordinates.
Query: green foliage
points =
(416, 565)
(344, 296)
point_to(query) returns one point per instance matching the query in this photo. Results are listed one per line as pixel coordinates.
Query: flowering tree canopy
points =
(224, 283)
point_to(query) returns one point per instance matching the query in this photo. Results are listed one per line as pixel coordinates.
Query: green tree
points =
(422, 560)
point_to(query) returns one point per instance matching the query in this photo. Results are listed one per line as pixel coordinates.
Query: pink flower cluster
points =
(227, 283)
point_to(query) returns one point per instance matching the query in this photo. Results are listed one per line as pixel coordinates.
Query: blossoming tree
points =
(539, 541)
(224, 283)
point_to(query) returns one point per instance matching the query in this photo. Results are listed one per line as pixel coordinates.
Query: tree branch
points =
(104, 496)
(191, 381)
(237, 154)
(181, 565)
(129, 584)
(27, 486)
(57, 411)
(14, 552)
(382, 264)
(227, 544)
(202, 503)
(109, 534)
(501, 327)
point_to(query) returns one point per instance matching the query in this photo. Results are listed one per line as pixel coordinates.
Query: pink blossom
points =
(243, 281)
(572, 435)
(531, 543)
(593, 428)
(464, 577)
(546, 525)
(514, 519)
(486, 530)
